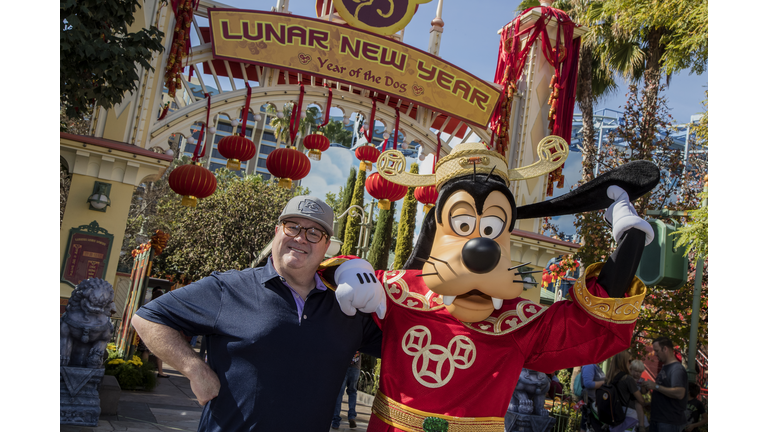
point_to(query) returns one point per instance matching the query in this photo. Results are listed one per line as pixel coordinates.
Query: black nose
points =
(481, 255)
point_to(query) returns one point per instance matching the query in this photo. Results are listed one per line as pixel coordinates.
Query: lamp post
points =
(365, 227)
(696, 306)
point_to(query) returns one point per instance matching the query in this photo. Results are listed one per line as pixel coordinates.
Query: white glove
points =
(358, 288)
(621, 216)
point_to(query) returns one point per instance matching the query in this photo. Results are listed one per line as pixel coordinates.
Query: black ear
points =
(423, 243)
(637, 178)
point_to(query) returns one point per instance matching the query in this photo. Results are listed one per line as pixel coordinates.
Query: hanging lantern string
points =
(327, 118)
(201, 136)
(293, 127)
(246, 109)
(437, 155)
(397, 129)
(369, 133)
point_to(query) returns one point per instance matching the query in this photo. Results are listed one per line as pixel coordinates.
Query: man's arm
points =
(673, 392)
(168, 344)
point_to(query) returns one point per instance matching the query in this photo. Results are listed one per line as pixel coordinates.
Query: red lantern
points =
(426, 195)
(367, 155)
(192, 182)
(384, 190)
(236, 149)
(316, 143)
(288, 164)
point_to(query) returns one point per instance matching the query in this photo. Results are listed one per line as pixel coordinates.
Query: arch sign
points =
(357, 57)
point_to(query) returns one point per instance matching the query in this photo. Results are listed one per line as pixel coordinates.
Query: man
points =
(669, 399)
(278, 343)
(350, 385)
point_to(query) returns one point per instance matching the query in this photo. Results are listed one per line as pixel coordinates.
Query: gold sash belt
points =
(412, 420)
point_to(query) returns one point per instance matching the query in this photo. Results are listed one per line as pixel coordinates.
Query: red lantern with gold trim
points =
(368, 155)
(236, 149)
(193, 182)
(288, 164)
(316, 143)
(384, 190)
(426, 195)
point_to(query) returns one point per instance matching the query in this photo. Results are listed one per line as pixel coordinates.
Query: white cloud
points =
(330, 172)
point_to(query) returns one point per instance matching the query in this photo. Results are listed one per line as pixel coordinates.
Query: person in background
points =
(277, 338)
(670, 390)
(555, 388)
(592, 378)
(619, 375)
(350, 385)
(695, 411)
(636, 369)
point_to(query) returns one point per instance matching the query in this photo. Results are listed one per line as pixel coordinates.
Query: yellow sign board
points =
(353, 56)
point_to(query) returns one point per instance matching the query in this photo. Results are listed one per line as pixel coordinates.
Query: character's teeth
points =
(497, 303)
(447, 300)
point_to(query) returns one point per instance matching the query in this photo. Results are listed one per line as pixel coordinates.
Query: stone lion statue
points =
(530, 392)
(85, 326)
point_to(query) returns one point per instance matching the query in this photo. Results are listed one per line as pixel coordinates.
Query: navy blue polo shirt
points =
(277, 372)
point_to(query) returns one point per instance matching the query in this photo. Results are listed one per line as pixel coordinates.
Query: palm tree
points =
(282, 125)
(336, 132)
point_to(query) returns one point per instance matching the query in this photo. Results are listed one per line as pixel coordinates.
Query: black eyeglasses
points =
(313, 235)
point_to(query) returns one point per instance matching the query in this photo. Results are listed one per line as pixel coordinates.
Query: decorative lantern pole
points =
(237, 148)
(289, 164)
(193, 181)
(317, 142)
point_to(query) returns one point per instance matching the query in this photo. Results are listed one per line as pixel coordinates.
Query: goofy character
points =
(456, 334)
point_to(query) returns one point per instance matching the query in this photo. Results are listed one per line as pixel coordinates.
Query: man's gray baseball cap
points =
(312, 208)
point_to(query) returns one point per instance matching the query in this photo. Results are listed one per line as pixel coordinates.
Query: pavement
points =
(172, 407)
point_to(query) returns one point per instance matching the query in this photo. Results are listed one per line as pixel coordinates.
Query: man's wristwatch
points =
(657, 386)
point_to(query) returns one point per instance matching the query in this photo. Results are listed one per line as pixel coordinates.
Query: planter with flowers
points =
(132, 374)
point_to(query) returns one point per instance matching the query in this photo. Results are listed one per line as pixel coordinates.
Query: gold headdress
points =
(471, 158)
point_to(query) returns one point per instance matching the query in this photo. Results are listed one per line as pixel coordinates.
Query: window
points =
(262, 163)
(214, 166)
(223, 127)
(266, 150)
(268, 136)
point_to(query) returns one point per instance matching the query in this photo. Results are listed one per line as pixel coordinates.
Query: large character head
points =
(463, 248)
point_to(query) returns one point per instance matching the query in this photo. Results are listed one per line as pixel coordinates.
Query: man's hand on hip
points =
(205, 384)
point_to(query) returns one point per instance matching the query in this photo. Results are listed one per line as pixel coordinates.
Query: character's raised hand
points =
(358, 289)
(621, 216)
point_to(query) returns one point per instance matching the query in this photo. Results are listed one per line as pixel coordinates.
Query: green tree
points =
(352, 231)
(663, 31)
(98, 56)
(678, 189)
(694, 235)
(336, 133)
(382, 238)
(406, 226)
(346, 201)
(668, 313)
(225, 231)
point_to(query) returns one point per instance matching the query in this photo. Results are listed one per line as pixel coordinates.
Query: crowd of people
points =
(673, 405)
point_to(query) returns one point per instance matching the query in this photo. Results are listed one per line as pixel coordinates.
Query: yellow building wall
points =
(114, 220)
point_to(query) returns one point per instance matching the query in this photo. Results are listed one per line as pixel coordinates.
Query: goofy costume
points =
(455, 332)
